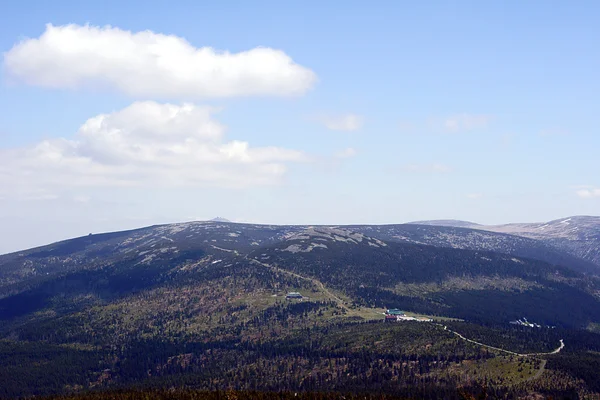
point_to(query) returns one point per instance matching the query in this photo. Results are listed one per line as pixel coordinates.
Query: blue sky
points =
(369, 114)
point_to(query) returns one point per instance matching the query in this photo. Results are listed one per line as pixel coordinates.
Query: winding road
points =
(340, 302)
(555, 351)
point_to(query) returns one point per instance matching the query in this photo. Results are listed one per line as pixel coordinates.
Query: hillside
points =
(407, 270)
(204, 305)
(577, 235)
(477, 285)
(220, 240)
(475, 239)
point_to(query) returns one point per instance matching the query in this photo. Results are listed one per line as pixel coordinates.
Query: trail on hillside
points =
(539, 372)
(314, 281)
(341, 303)
(555, 351)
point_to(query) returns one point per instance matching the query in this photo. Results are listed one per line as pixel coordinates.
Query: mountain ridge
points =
(204, 304)
(440, 236)
(577, 235)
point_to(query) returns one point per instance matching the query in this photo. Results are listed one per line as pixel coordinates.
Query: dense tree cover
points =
(40, 368)
(584, 365)
(415, 360)
(475, 239)
(182, 394)
(370, 274)
(209, 318)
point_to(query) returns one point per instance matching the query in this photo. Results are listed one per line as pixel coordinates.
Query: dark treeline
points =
(465, 393)
(412, 360)
(369, 275)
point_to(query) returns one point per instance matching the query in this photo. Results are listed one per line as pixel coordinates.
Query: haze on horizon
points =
(295, 113)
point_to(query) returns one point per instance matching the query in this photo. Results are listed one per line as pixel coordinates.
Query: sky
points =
(119, 115)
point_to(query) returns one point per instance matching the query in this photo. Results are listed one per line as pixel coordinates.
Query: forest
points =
(207, 321)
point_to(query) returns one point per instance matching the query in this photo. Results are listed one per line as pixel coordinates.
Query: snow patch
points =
(297, 248)
(222, 249)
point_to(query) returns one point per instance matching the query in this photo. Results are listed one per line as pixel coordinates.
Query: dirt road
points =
(557, 350)
(314, 281)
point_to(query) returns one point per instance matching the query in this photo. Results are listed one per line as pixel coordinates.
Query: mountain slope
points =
(577, 235)
(99, 269)
(222, 240)
(475, 239)
(477, 285)
(204, 305)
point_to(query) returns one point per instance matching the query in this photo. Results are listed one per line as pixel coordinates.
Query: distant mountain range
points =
(577, 235)
(205, 302)
(474, 253)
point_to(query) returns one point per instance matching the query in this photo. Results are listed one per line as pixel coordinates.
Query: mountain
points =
(447, 222)
(475, 239)
(220, 219)
(410, 271)
(222, 239)
(475, 285)
(577, 235)
(203, 305)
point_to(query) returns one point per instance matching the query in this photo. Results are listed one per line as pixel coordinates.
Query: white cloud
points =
(588, 193)
(345, 122)
(348, 152)
(464, 122)
(148, 64)
(427, 168)
(145, 144)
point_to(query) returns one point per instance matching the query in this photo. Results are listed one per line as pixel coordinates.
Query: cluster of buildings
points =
(395, 315)
(524, 322)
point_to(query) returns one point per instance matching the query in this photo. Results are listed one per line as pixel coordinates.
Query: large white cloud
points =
(147, 64)
(588, 192)
(145, 144)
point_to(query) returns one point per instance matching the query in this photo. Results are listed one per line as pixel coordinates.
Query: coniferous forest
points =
(113, 321)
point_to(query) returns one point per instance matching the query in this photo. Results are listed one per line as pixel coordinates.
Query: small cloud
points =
(345, 122)
(588, 193)
(463, 122)
(427, 168)
(475, 196)
(348, 152)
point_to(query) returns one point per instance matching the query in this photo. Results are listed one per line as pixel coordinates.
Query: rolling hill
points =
(203, 305)
(577, 235)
